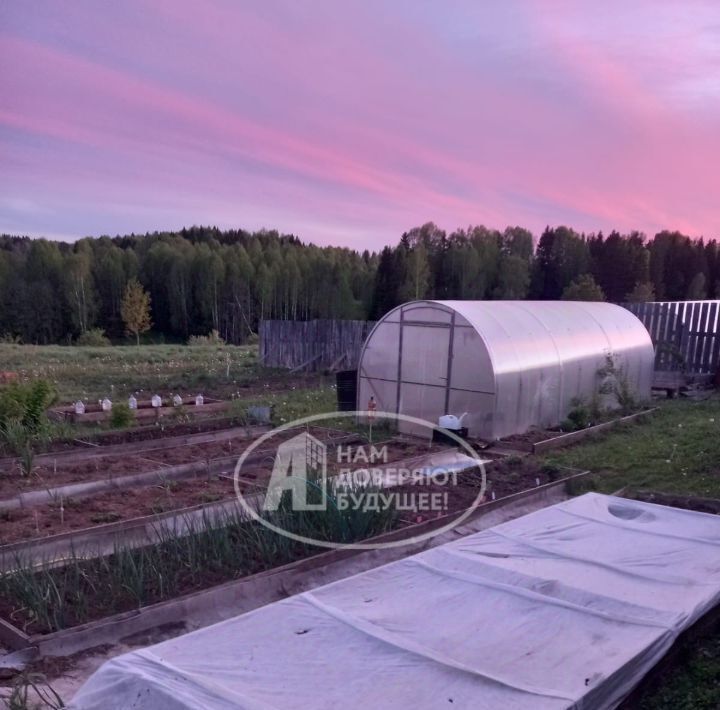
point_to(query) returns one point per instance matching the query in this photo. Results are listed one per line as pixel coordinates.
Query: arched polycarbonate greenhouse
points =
(509, 365)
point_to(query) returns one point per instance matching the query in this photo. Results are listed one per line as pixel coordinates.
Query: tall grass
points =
(208, 551)
(91, 373)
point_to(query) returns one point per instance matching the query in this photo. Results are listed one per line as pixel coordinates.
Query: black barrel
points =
(346, 381)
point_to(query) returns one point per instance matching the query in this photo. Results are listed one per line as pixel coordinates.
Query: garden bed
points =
(143, 413)
(503, 477)
(190, 590)
(90, 439)
(52, 473)
(538, 441)
(159, 494)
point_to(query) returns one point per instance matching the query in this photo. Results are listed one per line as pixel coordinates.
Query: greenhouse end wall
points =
(509, 365)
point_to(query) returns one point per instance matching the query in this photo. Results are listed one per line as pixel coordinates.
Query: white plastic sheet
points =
(567, 607)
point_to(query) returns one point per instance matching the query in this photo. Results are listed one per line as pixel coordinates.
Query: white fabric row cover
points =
(567, 607)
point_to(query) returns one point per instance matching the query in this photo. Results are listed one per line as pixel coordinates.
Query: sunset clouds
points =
(350, 122)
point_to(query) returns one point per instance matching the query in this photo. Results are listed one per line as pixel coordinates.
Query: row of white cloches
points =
(156, 401)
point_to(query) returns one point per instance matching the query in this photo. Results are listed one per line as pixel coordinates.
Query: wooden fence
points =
(685, 334)
(312, 345)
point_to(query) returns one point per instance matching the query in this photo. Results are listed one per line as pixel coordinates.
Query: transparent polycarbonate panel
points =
(427, 313)
(384, 392)
(545, 354)
(471, 368)
(425, 354)
(423, 402)
(480, 409)
(380, 354)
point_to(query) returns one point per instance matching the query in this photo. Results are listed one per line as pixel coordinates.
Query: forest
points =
(203, 279)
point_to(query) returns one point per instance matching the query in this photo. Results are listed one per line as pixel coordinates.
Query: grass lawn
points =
(92, 373)
(677, 450)
(694, 684)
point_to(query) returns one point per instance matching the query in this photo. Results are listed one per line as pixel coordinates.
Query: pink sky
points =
(351, 122)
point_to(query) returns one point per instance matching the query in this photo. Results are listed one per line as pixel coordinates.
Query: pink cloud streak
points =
(307, 120)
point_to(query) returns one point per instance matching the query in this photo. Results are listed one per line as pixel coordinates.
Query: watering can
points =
(451, 422)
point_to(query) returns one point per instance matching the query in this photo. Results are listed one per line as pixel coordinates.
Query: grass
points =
(213, 551)
(692, 685)
(92, 373)
(293, 403)
(676, 451)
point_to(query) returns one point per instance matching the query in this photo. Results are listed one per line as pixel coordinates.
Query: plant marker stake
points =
(37, 524)
(372, 406)
(537, 481)
(62, 512)
(54, 466)
(493, 495)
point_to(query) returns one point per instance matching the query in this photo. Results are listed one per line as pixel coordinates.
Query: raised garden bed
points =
(145, 411)
(88, 440)
(23, 631)
(152, 493)
(108, 470)
(539, 441)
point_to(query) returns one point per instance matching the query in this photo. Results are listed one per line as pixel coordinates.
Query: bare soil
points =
(532, 436)
(32, 522)
(44, 520)
(503, 477)
(98, 467)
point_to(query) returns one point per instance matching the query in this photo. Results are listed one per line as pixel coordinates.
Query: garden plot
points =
(504, 476)
(95, 465)
(539, 441)
(43, 598)
(45, 595)
(151, 490)
(98, 532)
(145, 410)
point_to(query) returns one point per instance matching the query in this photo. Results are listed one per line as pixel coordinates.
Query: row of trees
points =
(204, 279)
(198, 280)
(480, 263)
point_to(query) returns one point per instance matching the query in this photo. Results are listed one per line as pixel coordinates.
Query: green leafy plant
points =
(24, 426)
(121, 416)
(552, 471)
(95, 337)
(578, 417)
(614, 381)
(31, 691)
(26, 402)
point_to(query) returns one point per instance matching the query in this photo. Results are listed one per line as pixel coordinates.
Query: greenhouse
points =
(502, 367)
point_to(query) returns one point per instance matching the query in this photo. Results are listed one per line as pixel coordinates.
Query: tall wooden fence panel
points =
(312, 345)
(686, 334)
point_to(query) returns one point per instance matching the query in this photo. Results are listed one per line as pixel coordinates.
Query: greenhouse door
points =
(424, 369)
